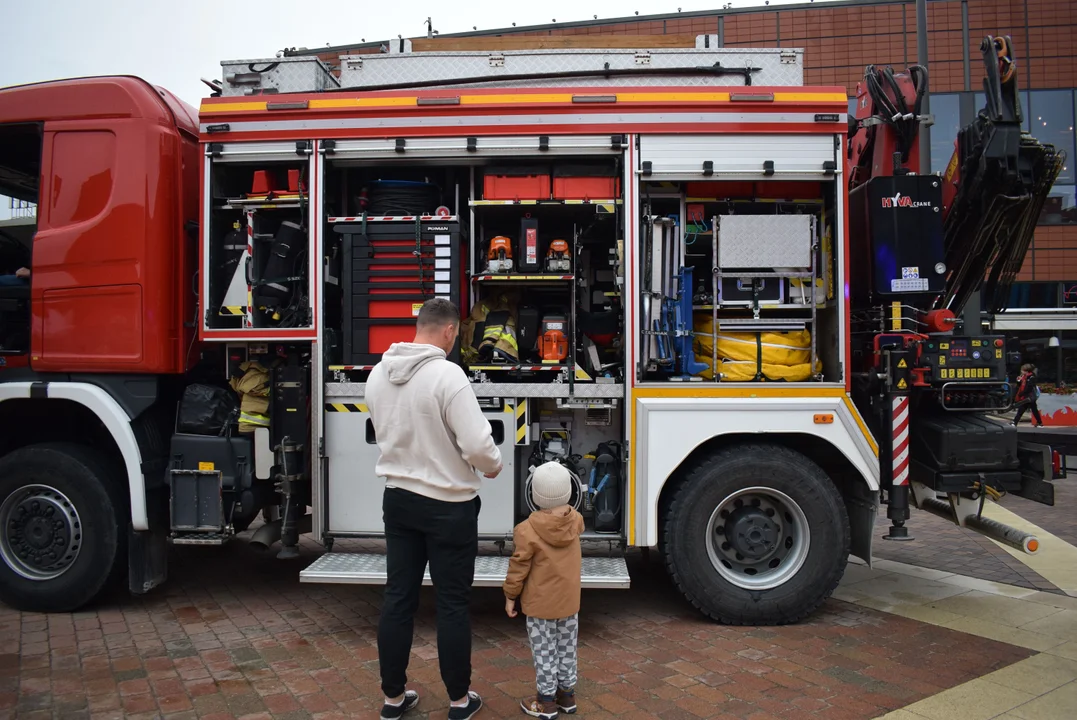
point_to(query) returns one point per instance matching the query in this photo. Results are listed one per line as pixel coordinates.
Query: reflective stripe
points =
(253, 419)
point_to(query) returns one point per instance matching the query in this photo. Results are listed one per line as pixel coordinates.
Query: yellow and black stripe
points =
(231, 310)
(522, 425)
(345, 407)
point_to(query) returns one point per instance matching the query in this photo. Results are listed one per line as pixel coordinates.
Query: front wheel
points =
(60, 527)
(756, 535)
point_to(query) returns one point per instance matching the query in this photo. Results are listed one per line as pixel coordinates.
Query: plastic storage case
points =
(585, 182)
(963, 443)
(516, 183)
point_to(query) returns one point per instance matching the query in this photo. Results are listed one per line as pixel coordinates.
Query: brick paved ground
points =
(234, 634)
(1061, 519)
(943, 546)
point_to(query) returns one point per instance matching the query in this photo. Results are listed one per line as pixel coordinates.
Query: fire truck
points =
(728, 307)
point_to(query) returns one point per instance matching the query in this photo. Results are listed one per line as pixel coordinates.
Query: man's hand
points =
(494, 474)
(510, 607)
(22, 273)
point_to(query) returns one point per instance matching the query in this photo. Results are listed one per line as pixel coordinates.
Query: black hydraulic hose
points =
(717, 69)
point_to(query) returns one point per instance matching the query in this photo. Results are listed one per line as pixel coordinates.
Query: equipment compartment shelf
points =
(490, 278)
(540, 203)
(393, 218)
(239, 204)
(517, 368)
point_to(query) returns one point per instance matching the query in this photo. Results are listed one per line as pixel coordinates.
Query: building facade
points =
(841, 39)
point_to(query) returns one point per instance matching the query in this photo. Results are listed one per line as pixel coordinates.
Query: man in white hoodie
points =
(432, 436)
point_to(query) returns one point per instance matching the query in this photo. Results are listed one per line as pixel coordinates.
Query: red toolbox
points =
(586, 182)
(384, 282)
(516, 183)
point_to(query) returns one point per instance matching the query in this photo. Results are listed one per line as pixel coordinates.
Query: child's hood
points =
(559, 528)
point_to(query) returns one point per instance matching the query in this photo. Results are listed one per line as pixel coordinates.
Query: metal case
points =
(276, 75)
(776, 67)
(765, 241)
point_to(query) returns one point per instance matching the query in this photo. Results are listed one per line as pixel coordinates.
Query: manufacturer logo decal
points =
(903, 201)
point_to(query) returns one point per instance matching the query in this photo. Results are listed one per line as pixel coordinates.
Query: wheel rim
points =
(757, 538)
(40, 532)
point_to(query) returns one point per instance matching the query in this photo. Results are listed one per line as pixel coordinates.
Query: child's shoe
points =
(566, 701)
(537, 707)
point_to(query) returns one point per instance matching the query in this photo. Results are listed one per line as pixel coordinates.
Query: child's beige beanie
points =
(551, 485)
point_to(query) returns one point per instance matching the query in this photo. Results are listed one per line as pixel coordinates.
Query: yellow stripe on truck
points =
(338, 103)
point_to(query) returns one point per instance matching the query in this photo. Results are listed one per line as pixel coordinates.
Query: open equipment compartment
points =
(538, 281)
(738, 275)
(257, 243)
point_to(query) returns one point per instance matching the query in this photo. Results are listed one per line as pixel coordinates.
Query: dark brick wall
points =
(839, 42)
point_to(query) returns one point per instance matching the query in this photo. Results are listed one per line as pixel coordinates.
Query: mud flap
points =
(1037, 470)
(147, 551)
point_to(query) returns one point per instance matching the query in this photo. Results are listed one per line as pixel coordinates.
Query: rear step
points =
(369, 569)
(200, 538)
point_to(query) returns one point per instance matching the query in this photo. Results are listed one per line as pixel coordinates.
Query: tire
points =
(41, 486)
(773, 498)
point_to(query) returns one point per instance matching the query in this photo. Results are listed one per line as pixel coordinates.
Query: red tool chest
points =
(385, 282)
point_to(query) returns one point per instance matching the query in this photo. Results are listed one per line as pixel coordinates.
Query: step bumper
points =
(610, 573)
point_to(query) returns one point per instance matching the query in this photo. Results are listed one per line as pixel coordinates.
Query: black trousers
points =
(420, 530)
(1028, 405)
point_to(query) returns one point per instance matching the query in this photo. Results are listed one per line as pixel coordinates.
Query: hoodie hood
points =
(557, 528)
(403, 360)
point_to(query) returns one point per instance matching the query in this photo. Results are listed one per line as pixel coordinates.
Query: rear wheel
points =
(61, 529)
(756, 535)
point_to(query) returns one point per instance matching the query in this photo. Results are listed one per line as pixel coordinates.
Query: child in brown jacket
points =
(544, 573)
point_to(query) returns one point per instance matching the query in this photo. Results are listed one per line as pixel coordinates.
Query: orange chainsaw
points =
(558, 258)
(499, 255)
(553, 338)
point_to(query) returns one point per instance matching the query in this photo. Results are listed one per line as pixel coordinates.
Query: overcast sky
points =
(173, 44)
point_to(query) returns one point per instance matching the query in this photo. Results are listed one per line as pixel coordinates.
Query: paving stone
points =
(234, 634)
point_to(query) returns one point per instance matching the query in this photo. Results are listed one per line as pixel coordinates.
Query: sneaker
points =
(466, 712)
(566, 701)
(536, 707)
(392, 712)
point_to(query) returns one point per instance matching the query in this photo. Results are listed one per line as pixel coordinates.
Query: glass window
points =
(947, 112)
(852, 106)
(1052, 123)
(1036, 295)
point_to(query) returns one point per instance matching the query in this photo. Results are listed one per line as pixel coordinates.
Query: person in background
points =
(1027, 394)
(432, 436)
(21, 277)
(544, 574)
